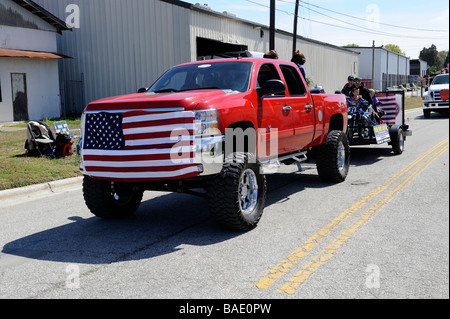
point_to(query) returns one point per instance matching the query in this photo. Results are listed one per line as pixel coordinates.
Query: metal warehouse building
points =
(118, 46)
(386, 68)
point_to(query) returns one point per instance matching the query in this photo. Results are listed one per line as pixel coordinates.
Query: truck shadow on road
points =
(369, 155)
(162, 225)
(281, 186)
(433, 116)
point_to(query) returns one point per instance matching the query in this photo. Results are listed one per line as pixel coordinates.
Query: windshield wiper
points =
(205, 88)
(166, 91)
(193, 89)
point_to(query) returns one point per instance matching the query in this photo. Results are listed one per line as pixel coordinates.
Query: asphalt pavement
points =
(383, 233)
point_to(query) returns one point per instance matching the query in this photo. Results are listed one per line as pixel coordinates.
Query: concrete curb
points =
(51, 187)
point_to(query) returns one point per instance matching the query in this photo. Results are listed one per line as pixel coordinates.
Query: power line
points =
(365, 31)
(361, 19)
(358, 18)
(361, 29)
(368, 29)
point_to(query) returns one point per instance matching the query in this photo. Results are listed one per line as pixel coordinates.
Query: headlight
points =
(79, 146)
(426, 97)
(206, 122)
(83, 115)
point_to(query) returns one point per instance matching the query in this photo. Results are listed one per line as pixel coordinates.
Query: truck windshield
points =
(233, 76)
(442, 79)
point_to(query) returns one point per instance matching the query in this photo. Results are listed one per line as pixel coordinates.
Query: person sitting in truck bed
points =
(347, 89)
(299, 59)
(363, 90)
(272, 54)
(357, 100)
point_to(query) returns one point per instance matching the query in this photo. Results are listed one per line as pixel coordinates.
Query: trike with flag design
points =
(365, 127)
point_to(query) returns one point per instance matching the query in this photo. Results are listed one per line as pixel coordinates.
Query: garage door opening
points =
(19, 95)
(210, 49)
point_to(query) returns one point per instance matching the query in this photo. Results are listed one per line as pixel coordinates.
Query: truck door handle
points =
(287, 108)
(308, 107)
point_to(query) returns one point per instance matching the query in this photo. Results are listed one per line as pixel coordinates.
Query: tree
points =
(351, 45)
(445, 60)
(442, 57)
(394, 48)
(431, 56)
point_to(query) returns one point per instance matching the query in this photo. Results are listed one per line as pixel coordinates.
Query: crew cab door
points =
(301, 107)
(274, 118)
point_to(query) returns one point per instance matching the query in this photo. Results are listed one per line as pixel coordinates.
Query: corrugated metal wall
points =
(221, 28)
(390, 68)
(327, 65)
(12, 14)
(124, 45)
(120, 46)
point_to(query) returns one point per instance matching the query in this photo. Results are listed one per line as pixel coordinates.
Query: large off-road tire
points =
(110, 200)
(237, 196)
(397, 139)
(333, 158)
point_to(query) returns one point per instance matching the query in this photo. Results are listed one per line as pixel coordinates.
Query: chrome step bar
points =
(272, 165)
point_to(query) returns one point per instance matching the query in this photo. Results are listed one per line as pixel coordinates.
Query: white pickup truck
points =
(436, 97)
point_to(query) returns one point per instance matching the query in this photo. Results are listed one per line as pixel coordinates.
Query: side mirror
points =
(142, 90)
(270, 87)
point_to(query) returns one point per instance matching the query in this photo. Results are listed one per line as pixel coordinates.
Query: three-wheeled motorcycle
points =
(366, 127)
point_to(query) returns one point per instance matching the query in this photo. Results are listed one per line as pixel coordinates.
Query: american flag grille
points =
(139, 146)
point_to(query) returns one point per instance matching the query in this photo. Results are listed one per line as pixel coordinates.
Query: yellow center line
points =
(292, 259)
(331, 249)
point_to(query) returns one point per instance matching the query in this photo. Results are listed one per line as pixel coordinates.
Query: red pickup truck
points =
(211, 128)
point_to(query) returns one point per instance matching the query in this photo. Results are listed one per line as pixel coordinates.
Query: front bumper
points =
(435, 106)
(209, 154)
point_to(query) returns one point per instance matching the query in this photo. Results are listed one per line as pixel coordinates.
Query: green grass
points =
(413, 102)
(18, 170)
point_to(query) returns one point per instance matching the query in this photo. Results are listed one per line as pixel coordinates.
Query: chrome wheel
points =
(237, 195)
(402, 143)
(341, 156)
(333, 158)
(248, 191)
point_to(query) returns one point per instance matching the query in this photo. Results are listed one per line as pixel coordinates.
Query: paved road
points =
(383, 233)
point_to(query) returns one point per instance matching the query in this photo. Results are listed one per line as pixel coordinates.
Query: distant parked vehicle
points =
(435, 98)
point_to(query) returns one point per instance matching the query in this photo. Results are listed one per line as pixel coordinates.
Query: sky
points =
(412, 25)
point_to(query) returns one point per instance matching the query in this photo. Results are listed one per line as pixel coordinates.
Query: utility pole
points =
(294, 46)
(373, 63)
(272, 25)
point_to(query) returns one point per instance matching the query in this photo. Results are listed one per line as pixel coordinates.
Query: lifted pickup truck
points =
(211, 128)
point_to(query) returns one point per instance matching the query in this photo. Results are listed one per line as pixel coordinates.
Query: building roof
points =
(208, 10)
(378, 48)
(39, 11)
(8, 53)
